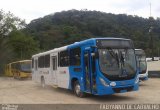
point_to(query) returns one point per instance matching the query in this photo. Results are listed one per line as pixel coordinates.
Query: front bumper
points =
(143, 77)
(117, 89)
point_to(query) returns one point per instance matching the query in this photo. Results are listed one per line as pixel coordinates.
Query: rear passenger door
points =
(35, 70)
(54, 69)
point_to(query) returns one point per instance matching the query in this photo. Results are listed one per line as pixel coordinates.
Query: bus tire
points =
(42, 82)
(19, 76)
(77, 90)
(14, 76)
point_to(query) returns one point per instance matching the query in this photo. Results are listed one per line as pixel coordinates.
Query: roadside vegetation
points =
(19, 40)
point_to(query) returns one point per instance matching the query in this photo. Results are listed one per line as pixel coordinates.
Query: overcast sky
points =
(32, 9)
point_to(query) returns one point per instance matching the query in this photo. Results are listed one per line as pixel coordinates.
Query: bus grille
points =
(118, 90)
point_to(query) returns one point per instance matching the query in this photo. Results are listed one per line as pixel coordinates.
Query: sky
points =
(32, 9)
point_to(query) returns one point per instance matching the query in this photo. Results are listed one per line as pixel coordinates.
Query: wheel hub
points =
(77, 89)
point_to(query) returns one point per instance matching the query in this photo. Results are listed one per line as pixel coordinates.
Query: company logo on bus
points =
(123, 73)
(123, 83)
(62, 72)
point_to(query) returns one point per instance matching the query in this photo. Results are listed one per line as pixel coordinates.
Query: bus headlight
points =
(103, 82)
(113, 84)
(137, 80)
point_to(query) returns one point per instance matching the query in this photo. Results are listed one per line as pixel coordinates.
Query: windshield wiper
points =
(114, 55)
(122, 59)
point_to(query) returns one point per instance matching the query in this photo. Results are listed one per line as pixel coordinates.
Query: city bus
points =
(19, 69)
(142, 64)
(98, 66)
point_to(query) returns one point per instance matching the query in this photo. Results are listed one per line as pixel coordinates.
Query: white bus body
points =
(50, 73)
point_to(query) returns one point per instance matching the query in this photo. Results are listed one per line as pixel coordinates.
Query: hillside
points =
(67, 27)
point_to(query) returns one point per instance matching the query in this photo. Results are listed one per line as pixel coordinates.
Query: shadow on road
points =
(95, 98)
(143, 84)
(111, 98)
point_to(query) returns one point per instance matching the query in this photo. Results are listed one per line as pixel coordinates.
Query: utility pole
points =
(151, 34)
(150, 9)
(158, 52)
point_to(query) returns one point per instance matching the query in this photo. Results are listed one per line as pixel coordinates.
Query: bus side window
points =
(47, 61)
(54, 63)
(41, 62)
(86, 63)
(75, 57)
(36, 64)
(93, 63)
(32, 63)
(64, 58)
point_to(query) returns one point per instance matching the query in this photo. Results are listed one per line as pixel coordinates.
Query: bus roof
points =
(139, 49)
(139, 52)
(20, 61)
(50, 51)
(76, 44)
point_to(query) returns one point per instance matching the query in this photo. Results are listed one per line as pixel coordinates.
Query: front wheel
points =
(78, 91)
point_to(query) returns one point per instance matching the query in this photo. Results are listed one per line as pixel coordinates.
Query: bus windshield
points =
(117, 59)
(117, 62)
(141, 61)
(26, 67)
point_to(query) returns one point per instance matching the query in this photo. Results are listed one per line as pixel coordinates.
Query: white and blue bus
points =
(98, 66)
(141, 64)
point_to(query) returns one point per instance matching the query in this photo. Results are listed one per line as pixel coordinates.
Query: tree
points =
(6, 53)
(70, 26)
(8, 23)
(23, 45)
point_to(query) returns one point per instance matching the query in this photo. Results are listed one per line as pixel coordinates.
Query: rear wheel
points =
(14, 76)
(42, 82)
(19, 76)
(77, 90)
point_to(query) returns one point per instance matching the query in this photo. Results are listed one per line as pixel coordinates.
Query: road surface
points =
(14, 91)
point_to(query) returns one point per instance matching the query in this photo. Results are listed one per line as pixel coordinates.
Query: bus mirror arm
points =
(95, 51)
(96, 55)
(95, 47)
